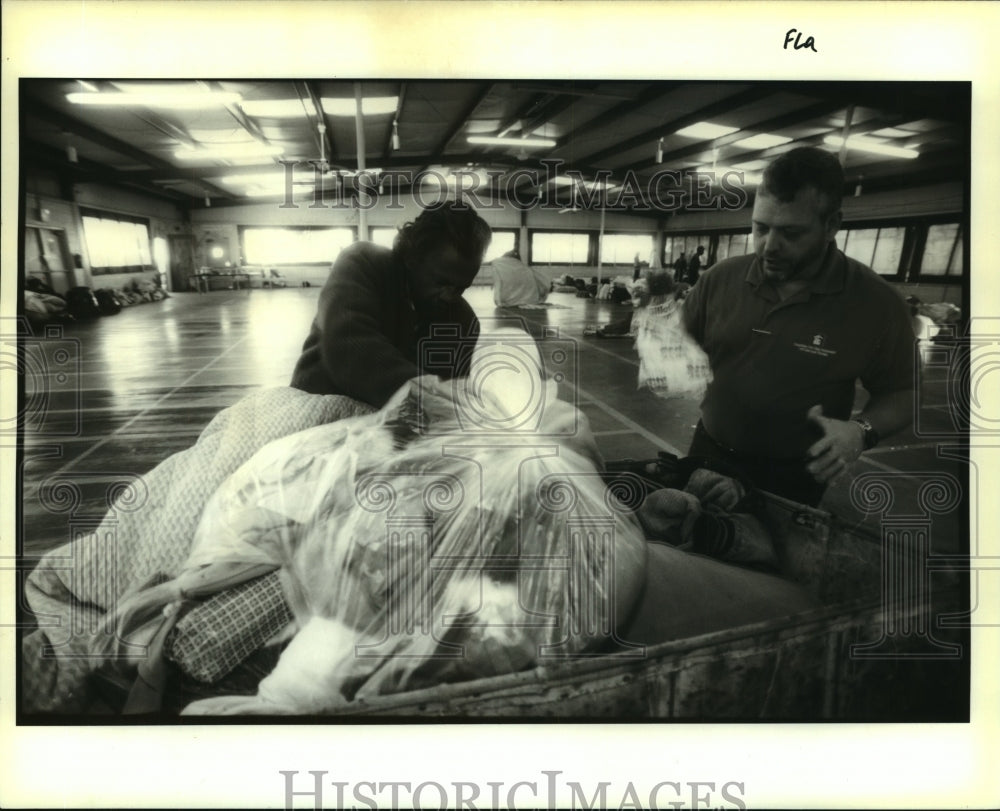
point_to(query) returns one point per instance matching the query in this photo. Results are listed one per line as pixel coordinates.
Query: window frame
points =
(245, 261)
(915, 230)
(118, 218)
(590, 261)
(631, 261)
(515, 231)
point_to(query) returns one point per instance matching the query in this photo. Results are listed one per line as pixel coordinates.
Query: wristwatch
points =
(869, 434)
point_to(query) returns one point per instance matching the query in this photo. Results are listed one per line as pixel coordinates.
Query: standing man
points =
(680, 268)
(694, 266)
(378, 304)
(788, 331)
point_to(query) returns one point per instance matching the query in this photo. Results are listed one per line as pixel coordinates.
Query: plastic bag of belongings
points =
(428, 542)
(671, 364)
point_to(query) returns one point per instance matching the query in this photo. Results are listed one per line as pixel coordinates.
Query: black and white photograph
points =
(616, 422)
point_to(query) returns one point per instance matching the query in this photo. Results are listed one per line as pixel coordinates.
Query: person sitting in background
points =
(789, 331)
(515, 284)
(377, 305)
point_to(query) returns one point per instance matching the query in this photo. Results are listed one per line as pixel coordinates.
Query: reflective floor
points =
(110, 399)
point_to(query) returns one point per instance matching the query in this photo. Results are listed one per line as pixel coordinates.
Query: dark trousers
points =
(783, 477)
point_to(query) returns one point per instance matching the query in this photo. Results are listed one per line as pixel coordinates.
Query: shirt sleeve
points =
(694, 311)
(355, 351)
(892, 364)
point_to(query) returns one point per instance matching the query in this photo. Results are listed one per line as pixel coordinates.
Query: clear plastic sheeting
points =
(462, 531)
(671, 364)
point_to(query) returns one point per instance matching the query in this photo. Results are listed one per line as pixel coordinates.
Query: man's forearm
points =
(889, 413)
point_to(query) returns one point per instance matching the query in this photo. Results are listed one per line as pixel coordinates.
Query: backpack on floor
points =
(107, 301)
(81, 304)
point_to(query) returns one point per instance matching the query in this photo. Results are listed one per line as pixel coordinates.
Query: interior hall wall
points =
(221, 226)
(44, 192)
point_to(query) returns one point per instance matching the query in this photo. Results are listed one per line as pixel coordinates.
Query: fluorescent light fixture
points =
(266, 191)
(173, 99)
(871, 145)
(370, 105)
(225, 151)
(704, 129)
(893, 132)
(749, 178)
(590, 185)
(496, 140)
(750, 166)
(275, 108)
(256, 178)
(762, 140)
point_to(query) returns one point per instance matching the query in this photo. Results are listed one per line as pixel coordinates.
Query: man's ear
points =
(833, 223)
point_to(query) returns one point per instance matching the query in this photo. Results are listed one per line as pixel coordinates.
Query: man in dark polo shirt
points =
(788, 332)
(378, 304)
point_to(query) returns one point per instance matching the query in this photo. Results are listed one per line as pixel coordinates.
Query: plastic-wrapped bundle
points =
(462, 531)
(671, 364)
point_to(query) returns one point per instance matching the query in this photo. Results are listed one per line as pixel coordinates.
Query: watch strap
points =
(869, 434)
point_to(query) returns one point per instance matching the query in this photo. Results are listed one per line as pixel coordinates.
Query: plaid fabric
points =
(148, 529)
(216, 636)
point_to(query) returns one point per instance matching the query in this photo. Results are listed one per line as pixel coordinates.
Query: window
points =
(860, 244)
(559, 248)
(888, 250)
(116, 243)
(383, 236)
(621, 249)
(502, 242)
(294, 246)
(879, 248)
(943, 251)
(733, 245)
(688, 243)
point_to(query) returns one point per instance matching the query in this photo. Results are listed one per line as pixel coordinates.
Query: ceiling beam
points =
(460, 122)
(246, 123)
(324, 140)
(31, 106)
(387, 149)
(737, 100)
(88, 171)
(776, 123)
(649, 95)
(572, 88)
(949, 101)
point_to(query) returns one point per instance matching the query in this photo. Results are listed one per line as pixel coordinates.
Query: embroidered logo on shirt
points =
(816, 347)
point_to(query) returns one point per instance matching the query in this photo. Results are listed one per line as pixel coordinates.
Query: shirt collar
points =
(830, 279)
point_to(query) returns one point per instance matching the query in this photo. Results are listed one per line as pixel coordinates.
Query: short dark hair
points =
(660, 283)
(450, 223)
(802, 168)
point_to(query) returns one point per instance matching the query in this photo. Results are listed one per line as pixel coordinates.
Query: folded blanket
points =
(76, 585)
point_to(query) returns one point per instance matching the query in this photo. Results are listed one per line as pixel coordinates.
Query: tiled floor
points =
(115, 397)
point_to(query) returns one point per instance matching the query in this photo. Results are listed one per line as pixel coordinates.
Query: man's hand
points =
(713, 488)
(842, 443)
